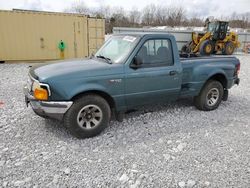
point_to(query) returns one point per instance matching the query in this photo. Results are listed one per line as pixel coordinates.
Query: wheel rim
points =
(212, 96)
(230, 49)
(89, 117)
(208, 48)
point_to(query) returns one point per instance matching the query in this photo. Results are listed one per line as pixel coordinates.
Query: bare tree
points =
(195, 22)
(148, 15)
(104, 11)
(134, 16)
(79, 7)
(240, 20)
(161, 15)
(175, 16)
(152, 15)
(119, 16)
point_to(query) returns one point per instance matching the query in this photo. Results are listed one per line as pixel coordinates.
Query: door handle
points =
(172, 73)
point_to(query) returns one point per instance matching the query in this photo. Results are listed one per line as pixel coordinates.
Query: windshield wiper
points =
(108, 60)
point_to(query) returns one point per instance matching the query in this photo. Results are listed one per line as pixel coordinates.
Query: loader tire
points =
(206, 47)
(229, 48)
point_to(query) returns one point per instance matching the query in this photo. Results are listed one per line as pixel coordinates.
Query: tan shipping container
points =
(34, 35)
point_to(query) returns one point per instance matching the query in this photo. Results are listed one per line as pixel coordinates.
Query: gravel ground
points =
(173, 145)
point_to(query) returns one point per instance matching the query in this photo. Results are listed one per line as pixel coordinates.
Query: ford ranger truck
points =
(128, 71)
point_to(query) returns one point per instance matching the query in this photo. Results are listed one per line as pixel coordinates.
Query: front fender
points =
(67, 89)
(85, 88)
(118, 98)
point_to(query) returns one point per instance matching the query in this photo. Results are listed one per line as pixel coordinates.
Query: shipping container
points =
(37, 35)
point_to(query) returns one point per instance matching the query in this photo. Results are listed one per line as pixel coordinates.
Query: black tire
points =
(214, 52)
(71, 117)
(203, 100)
(229, 48)
(184, 49)
(187, 48)
(206, 47)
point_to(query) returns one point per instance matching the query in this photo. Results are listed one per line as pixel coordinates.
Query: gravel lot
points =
(172, 145)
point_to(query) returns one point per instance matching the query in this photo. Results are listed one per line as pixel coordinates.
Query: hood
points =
(76, 68)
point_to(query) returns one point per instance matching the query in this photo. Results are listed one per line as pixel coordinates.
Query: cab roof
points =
(142, 34)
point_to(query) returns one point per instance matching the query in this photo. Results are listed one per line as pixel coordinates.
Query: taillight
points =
(237, 69)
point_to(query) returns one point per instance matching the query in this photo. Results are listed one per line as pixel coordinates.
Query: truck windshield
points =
(117, 48)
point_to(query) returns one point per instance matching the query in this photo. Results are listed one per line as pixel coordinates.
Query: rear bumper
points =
(232, 82)
(237, 81)
(47, 109)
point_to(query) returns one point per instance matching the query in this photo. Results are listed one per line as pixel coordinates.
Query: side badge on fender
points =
(115, 81)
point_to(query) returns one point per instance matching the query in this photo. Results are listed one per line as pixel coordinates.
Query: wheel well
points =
(220, 78)
(104, 95)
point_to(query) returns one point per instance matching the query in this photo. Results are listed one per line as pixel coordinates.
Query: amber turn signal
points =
(41, 94)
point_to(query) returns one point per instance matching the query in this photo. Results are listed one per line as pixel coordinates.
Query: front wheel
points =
(88, 116)
(210, 96)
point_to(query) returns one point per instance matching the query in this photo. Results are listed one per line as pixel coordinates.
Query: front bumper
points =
(47, 109)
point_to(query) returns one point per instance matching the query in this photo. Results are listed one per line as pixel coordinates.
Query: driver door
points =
(158, 77)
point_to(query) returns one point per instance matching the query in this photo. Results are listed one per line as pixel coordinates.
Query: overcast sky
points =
(193, 7)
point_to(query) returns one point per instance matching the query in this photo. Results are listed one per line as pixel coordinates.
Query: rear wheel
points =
(210, 96)
(206, 47)
(229, 48)
(88, 116)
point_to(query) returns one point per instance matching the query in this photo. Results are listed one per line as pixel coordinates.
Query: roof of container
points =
(46, 13)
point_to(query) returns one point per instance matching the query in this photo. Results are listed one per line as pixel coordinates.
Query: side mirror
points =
(137, 62)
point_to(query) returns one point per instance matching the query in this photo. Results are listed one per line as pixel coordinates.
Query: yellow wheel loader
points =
(215, 39)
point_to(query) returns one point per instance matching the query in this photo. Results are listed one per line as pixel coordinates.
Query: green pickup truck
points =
(126, 72)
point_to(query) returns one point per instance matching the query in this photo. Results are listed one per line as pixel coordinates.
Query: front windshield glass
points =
(117, 48)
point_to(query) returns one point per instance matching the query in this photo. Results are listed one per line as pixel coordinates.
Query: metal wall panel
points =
(182, 37)
(31, 35)
(245, 39)
(96, 34)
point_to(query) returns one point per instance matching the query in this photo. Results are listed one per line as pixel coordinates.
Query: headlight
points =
(40, 91)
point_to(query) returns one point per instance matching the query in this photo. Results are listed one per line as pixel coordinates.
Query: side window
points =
(156, 53)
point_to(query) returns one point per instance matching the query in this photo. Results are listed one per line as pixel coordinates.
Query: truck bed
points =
(196, 70)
